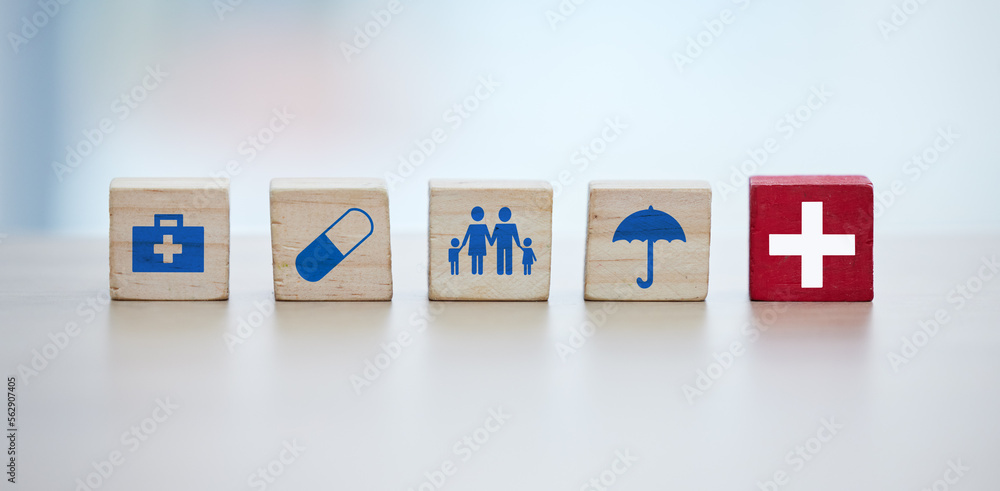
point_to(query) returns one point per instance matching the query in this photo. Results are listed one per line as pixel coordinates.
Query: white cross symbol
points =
(812, 245)
(168, 249)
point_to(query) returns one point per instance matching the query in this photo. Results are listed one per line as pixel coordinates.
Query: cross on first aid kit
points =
(168, 248)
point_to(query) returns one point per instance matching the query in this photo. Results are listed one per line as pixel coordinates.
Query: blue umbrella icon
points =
(650, 226)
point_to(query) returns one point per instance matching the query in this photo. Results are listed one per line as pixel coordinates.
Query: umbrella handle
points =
(649, 267)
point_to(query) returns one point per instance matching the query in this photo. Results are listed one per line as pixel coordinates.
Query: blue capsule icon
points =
(322, 255)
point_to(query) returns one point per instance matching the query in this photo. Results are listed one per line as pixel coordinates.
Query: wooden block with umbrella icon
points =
(648, 240)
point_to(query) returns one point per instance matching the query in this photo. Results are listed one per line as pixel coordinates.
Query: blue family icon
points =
(649, 226)
(168, 248)
(504, 236)
(322, 255)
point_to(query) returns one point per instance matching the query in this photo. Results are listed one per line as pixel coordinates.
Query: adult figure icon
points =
(476, 236)
(505, 236)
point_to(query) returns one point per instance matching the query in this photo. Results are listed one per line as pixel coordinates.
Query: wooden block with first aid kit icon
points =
(169, 239)
(330, 239)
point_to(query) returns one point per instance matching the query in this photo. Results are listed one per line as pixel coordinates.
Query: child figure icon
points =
(527, 256)
(453, 256)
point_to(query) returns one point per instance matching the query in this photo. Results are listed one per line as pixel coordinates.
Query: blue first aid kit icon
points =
(168, 249)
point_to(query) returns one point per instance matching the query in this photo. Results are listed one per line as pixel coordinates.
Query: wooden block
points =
(648, 240)
(487, 225)
(811, 238)
(330, 239)
(169, 239)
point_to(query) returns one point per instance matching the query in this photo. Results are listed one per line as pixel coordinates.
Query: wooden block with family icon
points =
(489, 240)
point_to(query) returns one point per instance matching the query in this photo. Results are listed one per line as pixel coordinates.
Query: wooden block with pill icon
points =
(330, 239)
(489, 240)
(169, 239)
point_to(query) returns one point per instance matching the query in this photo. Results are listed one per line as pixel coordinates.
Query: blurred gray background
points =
(891, 84)
(897, 80)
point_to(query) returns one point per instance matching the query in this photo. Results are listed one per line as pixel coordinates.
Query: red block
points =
(811, 238)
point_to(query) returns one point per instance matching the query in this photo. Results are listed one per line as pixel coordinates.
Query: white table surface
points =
(290, 381)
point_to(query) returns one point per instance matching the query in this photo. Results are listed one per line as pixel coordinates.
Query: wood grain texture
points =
(203, 202)
(451, 205)
(776, 208)
(680, 267)
(302, 209)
